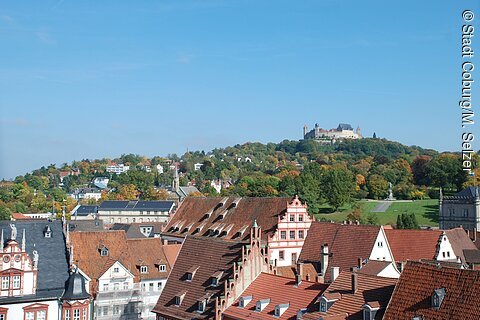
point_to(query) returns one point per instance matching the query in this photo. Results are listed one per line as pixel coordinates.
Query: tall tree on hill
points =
(338, 186)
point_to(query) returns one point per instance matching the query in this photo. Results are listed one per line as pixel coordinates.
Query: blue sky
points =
(94, 79)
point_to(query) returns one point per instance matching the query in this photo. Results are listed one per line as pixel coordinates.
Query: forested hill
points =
(320, 174)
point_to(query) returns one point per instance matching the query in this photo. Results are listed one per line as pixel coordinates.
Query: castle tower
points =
(305, 130)
(358, 132)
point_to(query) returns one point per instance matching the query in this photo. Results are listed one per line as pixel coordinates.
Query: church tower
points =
(176, 181)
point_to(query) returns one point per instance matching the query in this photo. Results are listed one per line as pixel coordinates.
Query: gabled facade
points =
(34, 274)
(128, 274)
(285, 245)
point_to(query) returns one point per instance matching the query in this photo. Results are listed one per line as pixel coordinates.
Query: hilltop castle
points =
(343, 131)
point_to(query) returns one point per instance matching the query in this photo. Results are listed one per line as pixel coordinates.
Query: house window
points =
(105, 287)
(35, 312)
(162, 268)
(159, 286)
(103, 311)
(67, 314)
(151, 286)
(380, 244)
(16, 282)
(3, 316)
(366, 314)
(125, 286)
(323, 306)
(283, 235)
(116, 270)
(281, 255)
(5, 283)
(292, 218)
(116, 309)
(292, 234)
(104, 252)
(300, 217)
(300, 234)
(143, 269)
(116, 286)
(85, 313)
(201, 306)
(76, 314)
(178, 300)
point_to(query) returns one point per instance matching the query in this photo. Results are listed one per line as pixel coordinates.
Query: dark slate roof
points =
(468, 192)
(86, 210)
(133, 230)
(85, 225)
(75, 287)
(135, 205)
(344, 126)
(52, 258)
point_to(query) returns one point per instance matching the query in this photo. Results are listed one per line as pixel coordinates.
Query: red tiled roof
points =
(210, 256)
(309, 272)
(412, 295)
(459, 240)
(370, 289)
(19, 216)
(281, 291)
(346, 243)
(227, 219)
(422, 244)
(374, 267)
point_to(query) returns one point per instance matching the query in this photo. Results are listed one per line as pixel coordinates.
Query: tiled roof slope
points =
(52, 258)
(413, 293)
(132, 253)
(309, 272)
(133, 229)
(374, 267)
(346, 243)
(228, 219)
(460, 241)
(210, 256)
(370, 289)
(422, 244)
(281, 291)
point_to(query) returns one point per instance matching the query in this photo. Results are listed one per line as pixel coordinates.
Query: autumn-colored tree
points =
(127, 192)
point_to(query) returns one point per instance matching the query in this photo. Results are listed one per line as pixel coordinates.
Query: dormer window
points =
(323, 305)
(437, 298)
(191, 273)
(261, 304)
(243, 301)
(327, 300)
(104, 251)
(179, 297)
(280, 309)
(143, 269)
(201, 305)
(370, 310)
(47, 232)
(162, 268)
(216, 278)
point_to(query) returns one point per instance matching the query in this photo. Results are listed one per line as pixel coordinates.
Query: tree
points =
(400, 222)
(310, 187)
(446, 171)
(5, 213)
(127, 192)
(377, 186)
(338, 186)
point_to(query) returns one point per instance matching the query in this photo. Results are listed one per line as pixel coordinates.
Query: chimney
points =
(474, 234)
(324, 265)
(354, 282)
(299, 275)
(360, 264)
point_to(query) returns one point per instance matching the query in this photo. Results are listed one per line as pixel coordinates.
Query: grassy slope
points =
(426, 212)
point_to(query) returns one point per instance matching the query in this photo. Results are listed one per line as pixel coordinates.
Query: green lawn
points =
(426, 211)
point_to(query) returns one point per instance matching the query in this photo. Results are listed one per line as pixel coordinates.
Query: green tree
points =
(5, 213)
(338, 186)
(377, 186)
(400, 221)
